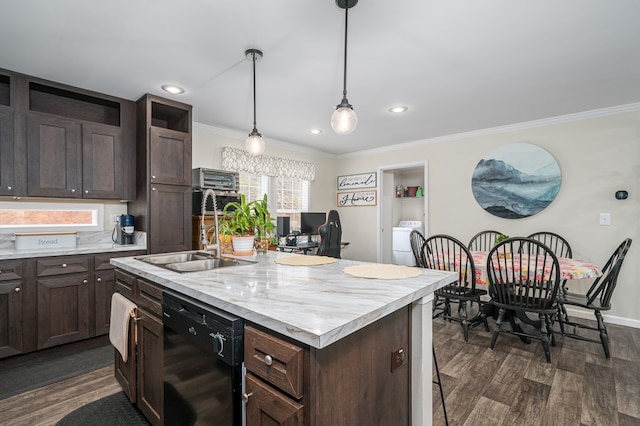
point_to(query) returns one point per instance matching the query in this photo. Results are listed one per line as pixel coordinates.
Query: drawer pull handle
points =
(85, 281)
(64, 265)
(245, 397)
(268, 360)
(99, 280)
(17, 289)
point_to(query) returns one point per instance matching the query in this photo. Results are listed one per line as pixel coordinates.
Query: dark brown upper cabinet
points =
(163, 201)
(64, 142)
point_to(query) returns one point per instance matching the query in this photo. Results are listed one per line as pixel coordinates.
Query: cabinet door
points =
(169, 157)
(7, 184)
(105, 285)
(53, 157)
(103, 162)
(63, 309)
(11, 320)
(150, 367)
(169, 218)
(267, 406)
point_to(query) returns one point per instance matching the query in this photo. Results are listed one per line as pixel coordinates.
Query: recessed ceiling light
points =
(315, 131)
(174, 90)
(398, 109)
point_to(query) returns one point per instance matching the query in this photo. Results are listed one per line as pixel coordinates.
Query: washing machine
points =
(401, 253)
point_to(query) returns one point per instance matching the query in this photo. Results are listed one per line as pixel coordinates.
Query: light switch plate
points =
(605, 218)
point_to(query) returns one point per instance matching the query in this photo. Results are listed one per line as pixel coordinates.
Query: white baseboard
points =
(608, 319)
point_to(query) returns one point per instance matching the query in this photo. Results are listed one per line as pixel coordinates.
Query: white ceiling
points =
(459, 65)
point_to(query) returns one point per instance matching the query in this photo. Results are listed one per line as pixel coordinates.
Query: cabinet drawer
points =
(10, 270)
(267, 403)
(276, 361)
(125, 284)
(101, 261)
(62, 265)
(150, 297)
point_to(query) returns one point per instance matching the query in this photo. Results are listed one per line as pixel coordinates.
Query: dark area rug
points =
(33, 375)
(113, 410)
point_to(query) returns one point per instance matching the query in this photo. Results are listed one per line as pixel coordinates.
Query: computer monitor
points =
(310, 222)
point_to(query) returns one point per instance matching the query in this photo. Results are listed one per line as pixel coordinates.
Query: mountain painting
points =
(515, 181)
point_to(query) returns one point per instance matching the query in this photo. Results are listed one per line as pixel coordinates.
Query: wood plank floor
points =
(510, 385)
(514, 385)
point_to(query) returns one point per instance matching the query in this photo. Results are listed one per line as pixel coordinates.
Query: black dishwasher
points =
(203, 353)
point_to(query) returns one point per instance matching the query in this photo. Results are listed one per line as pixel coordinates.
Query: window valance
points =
(239, 160)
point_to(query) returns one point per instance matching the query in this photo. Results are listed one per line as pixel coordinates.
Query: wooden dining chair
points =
(417, 241)
(524, 277)
(446, 253)
(596, 299)
(483, 240)
(557, 244)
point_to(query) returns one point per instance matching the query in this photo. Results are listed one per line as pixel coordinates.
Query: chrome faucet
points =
(203, 232)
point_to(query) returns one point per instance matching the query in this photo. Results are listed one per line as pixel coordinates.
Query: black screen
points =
(310, 222)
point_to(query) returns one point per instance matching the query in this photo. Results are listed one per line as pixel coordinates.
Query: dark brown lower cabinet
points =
(11, 291)
(51, 301)
(141, 376)
(351, 382)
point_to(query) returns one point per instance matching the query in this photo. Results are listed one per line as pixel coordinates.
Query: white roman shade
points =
(239, 160)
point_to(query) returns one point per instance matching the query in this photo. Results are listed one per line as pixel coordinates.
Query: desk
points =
(303, 247)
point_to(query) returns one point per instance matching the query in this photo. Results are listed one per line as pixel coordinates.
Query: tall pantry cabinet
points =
(163, 150)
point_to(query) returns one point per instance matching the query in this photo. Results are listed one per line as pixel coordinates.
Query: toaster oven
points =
(218, 180)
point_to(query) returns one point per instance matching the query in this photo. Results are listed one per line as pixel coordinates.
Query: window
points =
(22, 217)
(291, 194)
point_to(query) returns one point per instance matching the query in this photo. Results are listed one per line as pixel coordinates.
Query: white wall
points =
(597, 156)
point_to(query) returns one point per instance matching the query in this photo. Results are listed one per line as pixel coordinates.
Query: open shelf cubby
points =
(169, 117)
(80, 106)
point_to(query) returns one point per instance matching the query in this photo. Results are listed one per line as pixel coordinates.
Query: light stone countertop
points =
(88, 242)
(315, 305)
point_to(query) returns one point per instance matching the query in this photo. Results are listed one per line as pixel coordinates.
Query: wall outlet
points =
(114, 218)
(605, 219)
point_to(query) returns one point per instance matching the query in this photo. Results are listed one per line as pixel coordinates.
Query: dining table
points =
(570, 269)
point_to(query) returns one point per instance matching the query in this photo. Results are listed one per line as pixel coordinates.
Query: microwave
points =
(218, 180)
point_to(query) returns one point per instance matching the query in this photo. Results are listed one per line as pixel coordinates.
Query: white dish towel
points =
(122, 310)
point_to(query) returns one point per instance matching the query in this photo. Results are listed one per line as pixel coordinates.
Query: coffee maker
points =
(124, 232)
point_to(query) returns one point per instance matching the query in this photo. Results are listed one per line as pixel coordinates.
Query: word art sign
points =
(357, 198)
(362, 180)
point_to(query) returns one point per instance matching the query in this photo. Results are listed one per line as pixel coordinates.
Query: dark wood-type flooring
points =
(514, 385)
(510, 385)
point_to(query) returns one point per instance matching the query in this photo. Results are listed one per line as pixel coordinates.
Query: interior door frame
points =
(387, 193)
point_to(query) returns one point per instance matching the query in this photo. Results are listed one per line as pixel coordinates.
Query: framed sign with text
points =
(361, 180)
(357, 198)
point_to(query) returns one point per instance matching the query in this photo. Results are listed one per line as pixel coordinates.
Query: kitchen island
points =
(322, 309)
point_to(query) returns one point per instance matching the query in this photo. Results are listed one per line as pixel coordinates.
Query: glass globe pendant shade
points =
(344, 119)
(254, 143)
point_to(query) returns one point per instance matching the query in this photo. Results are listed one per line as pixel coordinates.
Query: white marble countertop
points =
(315, 305)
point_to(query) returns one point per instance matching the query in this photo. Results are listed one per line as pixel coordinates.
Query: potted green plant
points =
(239, 215)
(501, 237)
(264, 224)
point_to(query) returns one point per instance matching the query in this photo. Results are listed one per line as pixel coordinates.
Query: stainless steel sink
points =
(191, 261)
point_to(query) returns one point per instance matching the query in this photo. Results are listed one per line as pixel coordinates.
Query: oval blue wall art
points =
(516, 180)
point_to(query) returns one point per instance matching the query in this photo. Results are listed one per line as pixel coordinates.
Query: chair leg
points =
(496, 330)
(465, 322)
(545, 337)
(439, 383)
(604, 337)
(552, 335)
(561, 317)
(483, 315)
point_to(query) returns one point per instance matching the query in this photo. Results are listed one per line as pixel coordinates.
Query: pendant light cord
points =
(253, 55)
(346, 24)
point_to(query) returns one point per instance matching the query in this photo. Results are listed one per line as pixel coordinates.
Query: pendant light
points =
(254, 143)
(344, 119)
